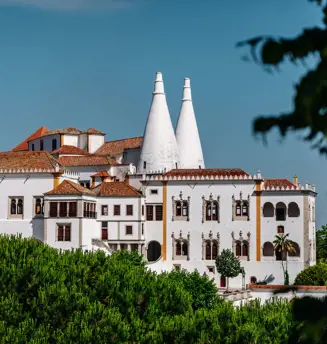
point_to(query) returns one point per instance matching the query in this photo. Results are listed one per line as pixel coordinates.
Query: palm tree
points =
(284, 245)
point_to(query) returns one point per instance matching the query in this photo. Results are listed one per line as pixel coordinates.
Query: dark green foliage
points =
(228, 265)
(315, 275)
(266, 280)
(48, 296)
(201, 288)
(310, 101)
(321, 242)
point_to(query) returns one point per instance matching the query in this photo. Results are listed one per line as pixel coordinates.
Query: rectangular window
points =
(104, 210)
(149, 212)
(117, 209)
(41, 145)
(142, 210)
(54, 144)
(129, 209)
(63, 209)
(63, 232)
(33, 147)
(144, 164)
(158, 212)
(142, 230)
(72, 209)
(104, 230)
(154, 192)
(38, 206)
(129, 230)
(53, 209)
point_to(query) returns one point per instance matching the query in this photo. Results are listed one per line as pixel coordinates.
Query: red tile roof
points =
(204, 172)
(278, 183)
(116, 189)
(94, 131)
(86, 160)
(101, 174)
(23, 146)
(68, 187)
(69, 131)
(118, 146)
(66, 149)
(27, 160)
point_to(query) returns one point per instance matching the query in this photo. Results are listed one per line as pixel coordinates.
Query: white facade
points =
(187, 133)
(159, 148)
(176, 218)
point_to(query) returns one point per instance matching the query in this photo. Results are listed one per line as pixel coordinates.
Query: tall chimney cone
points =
(187, 134)
(159, 150)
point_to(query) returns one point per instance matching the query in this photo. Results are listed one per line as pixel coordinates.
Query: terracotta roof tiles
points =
(101, 174)
(86, 160)
(118, 146)
(199, 172)
(68, 187)
(23, 146)
(27, 160)
(116, 189)
(66, 149)
(278, 183)
(94, 131)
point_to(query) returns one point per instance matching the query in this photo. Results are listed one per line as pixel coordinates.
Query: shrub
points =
(314, 275)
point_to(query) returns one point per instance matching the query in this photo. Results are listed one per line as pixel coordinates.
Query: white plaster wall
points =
(47, 143)
(86, 172)
(70, 140)
(225, 189)
(52, 224)
(95, 142)
(117, 224)
(119, 171)
(90, 230)
(19, 185)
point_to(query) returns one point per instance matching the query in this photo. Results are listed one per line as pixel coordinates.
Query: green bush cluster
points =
(48, 296)
(315, 275)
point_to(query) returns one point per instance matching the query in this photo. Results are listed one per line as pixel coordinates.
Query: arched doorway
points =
(154, 251)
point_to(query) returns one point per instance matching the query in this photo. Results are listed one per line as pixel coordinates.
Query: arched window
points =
(238, 251)
(253, 280)
(280, 211)
(178, 248)
(296, 252)
(268, 249)
(20, 207)
(13, 209)
(154, 251)
(280, 255)
(293, 210)
(214, 250)
(245, 209)
(238, 208)
(185, 248)
(268, 210)
(178, 208)
(185, 209)
(245, 249)
(38, 206)
(211, 211)
(208, 250)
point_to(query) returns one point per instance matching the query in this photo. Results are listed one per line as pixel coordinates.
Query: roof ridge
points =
(127, 138)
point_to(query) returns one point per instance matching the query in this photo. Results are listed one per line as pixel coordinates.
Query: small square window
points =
(63, 232)
(211, 269)
(104, 210)
(154, 192)
(117, 209)
(129, 230)
(129, 209)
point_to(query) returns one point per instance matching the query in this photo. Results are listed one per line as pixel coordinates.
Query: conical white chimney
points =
(187, 134)
(159, 151)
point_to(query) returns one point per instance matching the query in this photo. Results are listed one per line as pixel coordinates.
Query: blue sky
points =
(91, 63)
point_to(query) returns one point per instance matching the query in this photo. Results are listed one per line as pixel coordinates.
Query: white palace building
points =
(70, 188)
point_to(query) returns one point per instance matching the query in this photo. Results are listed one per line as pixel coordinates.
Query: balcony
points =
(90, 214)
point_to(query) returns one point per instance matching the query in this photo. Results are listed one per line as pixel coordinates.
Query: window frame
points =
(128, 227)
(64, 225)
(129, 210)
(117, 206)
(35, 214)
(104, 210)
(16, 214)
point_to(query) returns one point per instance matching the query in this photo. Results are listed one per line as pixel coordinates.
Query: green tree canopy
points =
(310, 101)
(321, 244)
